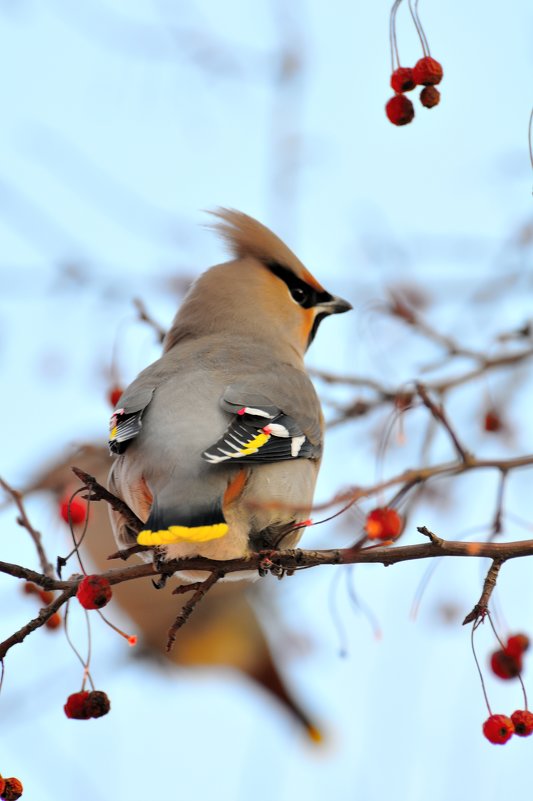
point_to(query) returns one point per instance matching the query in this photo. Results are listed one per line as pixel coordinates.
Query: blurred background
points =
(121, 124)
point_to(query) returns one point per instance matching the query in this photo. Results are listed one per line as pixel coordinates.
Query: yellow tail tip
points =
(315, 734)
(173, 534)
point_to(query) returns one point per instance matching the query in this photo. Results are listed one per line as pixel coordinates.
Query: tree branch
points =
(46, 566)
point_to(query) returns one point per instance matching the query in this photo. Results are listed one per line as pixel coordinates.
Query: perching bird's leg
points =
(268, 565)
(159, 565)
(200, 589)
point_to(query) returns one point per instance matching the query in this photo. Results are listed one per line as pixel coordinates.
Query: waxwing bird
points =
(219, 441)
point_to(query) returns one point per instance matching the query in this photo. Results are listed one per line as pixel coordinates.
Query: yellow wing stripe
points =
(254, 444)
(182, 534)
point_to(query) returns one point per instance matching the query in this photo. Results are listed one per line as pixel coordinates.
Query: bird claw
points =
(267, 565)
(159, 564)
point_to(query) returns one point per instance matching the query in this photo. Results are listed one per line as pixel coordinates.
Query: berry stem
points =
(419, 28)
(106, 620)
(503, 647)
(395, 58)
(76, 542)
(482, 680)
(85, 663)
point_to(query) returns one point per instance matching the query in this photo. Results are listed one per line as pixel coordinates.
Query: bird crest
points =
(247, 237)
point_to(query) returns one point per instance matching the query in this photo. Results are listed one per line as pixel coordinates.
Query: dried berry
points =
(53, 622)
(78, 510)
(429, 96)
(114, 395)
(498, 729)
(12, 790)
(94, 592)
(76, 706)
(504, 665)
(402, 80)
(523, 722)
(427, 71)
(85, 705)
(517, 645)
(383, 523)
(400, 110)
(98, 704)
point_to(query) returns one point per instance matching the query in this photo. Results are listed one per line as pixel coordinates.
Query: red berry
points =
(76, 706)
(400, 110)
(12, 789)
(2, 785)
(427, 71)
(504, 665)
(114, 395)
(97, 704)
(53, 622)
(523, 722)
(429, 96)
(78, 510)
(383, 523)
(402, 80)
(498, 729)
(492, 421)
(516, 645)
(94, 592)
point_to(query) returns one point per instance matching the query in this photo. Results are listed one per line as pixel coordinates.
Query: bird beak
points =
(335, 306)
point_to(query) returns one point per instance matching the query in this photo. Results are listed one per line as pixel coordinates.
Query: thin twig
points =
(147, 318)
(439, 415)
(480, 610)
(201, 589)
(99, 493)
(46, 566)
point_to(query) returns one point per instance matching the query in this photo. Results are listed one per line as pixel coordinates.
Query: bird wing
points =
(259, 431)
(126, 421)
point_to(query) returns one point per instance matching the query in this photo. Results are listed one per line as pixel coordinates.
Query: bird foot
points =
(268, 565)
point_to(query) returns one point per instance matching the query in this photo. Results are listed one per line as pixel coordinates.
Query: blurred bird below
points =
(224, 630)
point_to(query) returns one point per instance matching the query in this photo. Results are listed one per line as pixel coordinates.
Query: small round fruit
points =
(78, 510)
(504, 665)
(498, 729)
(12, 789)
(402, 80)
(383, 523)
(427, 71)
(523, 722)
(400, 110)
(94, 592)
(429, 96)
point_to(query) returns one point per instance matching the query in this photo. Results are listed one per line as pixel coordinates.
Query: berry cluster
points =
(498, 729)
(85, 705)
(427, 72)
(506, 662)
(10, 789)
(94, 592)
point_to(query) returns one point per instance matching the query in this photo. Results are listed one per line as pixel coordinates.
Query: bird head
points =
(264, 288)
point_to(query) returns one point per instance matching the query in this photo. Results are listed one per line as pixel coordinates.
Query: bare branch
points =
(46, 566)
